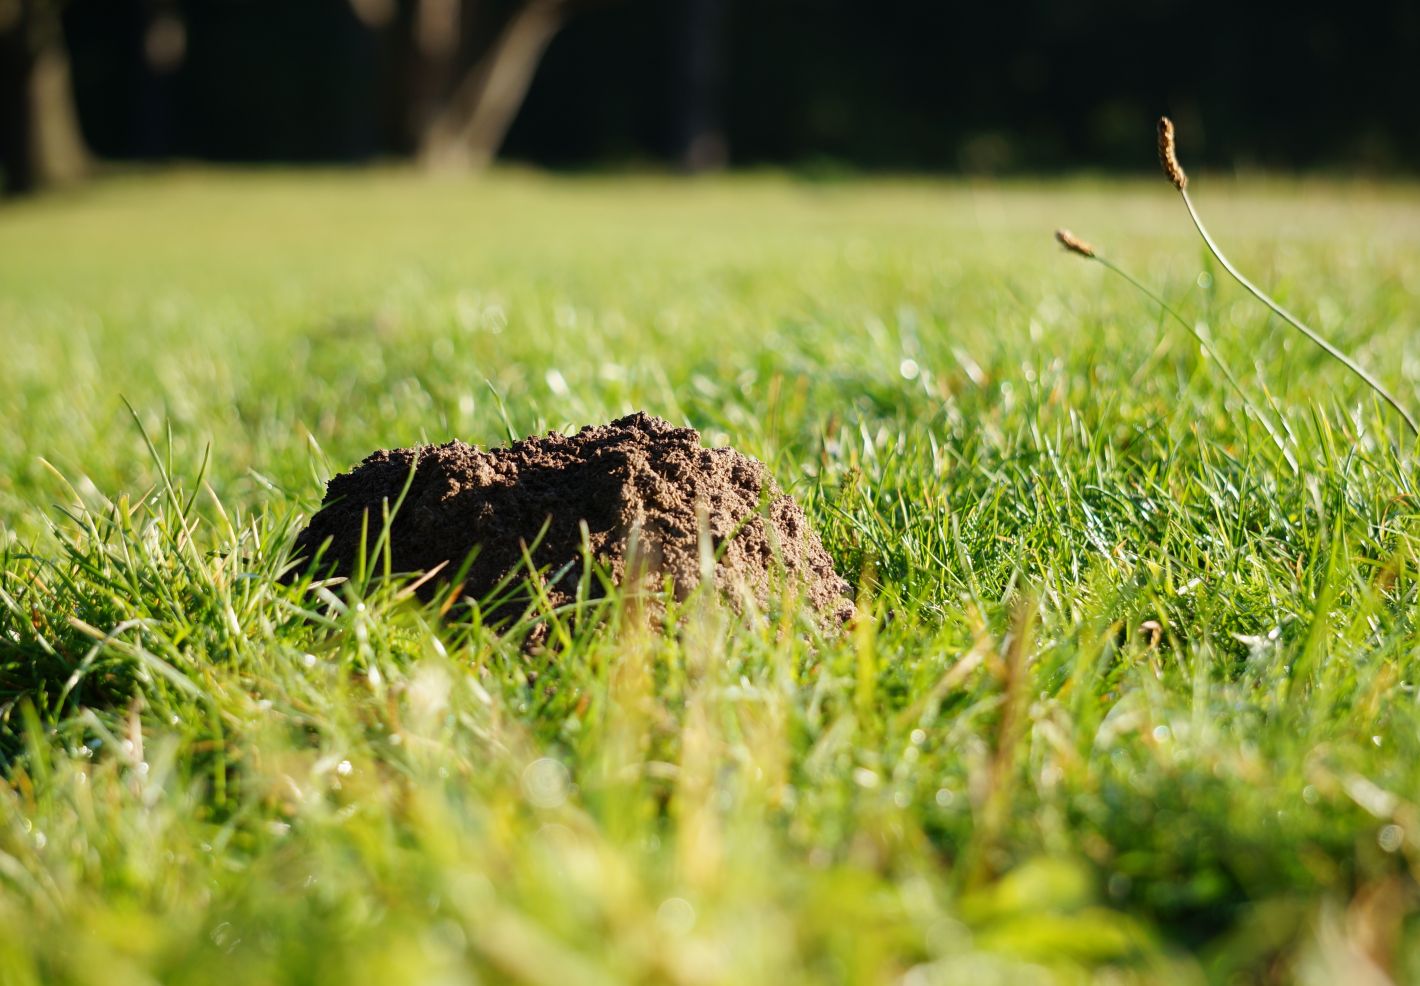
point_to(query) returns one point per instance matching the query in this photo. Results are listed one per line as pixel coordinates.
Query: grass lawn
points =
(1135, 701)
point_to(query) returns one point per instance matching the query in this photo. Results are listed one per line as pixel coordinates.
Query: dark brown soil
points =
(640, 487)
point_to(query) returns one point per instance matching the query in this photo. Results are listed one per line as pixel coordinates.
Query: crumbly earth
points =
(643, 489)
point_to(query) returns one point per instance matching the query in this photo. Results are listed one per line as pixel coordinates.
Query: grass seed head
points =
(1168, 155)
(1074, 244)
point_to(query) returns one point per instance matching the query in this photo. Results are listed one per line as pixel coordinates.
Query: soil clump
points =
(643, 489)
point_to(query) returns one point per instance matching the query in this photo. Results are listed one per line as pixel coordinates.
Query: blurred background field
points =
(264, 311)
(833, 86)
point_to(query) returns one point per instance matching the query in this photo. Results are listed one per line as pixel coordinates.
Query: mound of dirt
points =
(643, 489)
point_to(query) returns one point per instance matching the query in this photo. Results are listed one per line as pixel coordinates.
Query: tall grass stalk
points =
(1168, 159)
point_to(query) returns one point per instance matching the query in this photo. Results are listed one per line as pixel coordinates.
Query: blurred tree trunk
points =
(422, 45)
(438, 36)
(40, 140)
(57, 144)
(699, 142)
(467, 131)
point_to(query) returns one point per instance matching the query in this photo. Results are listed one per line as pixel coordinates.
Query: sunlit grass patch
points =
(1133, 694)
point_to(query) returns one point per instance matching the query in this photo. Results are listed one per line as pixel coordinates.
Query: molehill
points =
(640, 487)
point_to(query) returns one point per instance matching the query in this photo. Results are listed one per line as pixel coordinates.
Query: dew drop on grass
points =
(945, 798)
(343, 768)
(1390, 837)
(545, 783)
(909, 369)
(676, 915)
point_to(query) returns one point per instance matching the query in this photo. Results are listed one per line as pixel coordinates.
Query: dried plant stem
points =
(1175, 175)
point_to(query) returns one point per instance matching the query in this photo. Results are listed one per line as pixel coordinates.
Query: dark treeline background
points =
(871, 84)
